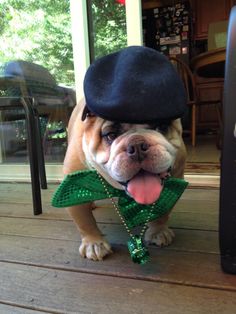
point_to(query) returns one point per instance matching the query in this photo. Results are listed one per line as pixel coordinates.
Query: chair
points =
(193, 99)
(190, 87)
(31, 87)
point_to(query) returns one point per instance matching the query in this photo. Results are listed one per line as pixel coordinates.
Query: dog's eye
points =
(109, 137)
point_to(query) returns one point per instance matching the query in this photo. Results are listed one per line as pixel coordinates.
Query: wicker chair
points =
(193, 100)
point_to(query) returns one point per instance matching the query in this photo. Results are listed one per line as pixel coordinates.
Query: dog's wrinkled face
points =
(135, 157)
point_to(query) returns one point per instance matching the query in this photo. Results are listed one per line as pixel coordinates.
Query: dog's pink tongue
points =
(145, 188)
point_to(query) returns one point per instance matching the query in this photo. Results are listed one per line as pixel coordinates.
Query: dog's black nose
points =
(137, 150)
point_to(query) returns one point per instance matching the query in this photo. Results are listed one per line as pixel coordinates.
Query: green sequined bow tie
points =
(86, 186)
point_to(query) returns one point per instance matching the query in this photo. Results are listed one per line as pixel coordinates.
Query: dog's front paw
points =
(162, 236)
(94, 248)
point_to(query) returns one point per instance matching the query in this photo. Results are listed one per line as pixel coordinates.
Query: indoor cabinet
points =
(208, 11)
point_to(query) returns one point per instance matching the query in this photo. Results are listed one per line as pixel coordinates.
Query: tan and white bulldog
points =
(132, 157)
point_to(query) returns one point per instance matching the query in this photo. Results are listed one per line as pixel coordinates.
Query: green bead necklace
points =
(88, 185)
(138, 251)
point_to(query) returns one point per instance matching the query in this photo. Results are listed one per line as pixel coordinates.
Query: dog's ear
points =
(86, 113)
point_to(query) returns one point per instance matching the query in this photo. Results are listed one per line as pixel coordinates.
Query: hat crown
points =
(135, 85)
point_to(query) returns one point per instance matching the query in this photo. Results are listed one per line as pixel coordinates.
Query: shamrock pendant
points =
(139, 253)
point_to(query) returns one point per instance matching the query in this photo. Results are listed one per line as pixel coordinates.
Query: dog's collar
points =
(87, 186)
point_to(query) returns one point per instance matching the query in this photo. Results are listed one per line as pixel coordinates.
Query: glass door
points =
(49, 45)
(37, 51)
(107, 27)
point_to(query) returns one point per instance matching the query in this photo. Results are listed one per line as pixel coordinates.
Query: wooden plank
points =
(197, 269)
(185, 240)
(196, 216)
(50, 243)
(193, 194)
(11, 309)
(21, 193)
(26, 211)
(49, 212)
(201, 215)
(75, 292)
(194, 221)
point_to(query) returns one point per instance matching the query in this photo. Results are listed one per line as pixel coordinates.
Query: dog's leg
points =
(93, 245)
(158, 232)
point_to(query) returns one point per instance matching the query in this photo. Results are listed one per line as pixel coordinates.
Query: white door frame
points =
(134, 22)
(80, 42)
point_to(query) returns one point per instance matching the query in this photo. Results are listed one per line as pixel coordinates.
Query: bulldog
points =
(133, 150)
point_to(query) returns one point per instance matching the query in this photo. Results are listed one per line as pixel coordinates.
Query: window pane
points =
(107, 26)
(36, 61)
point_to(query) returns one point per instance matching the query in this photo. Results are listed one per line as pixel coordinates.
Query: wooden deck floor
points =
(41, 270)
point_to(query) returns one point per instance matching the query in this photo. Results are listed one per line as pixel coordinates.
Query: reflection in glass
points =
(107, 27)
(35, 62)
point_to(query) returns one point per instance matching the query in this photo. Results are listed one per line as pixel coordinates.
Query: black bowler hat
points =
(134, 85)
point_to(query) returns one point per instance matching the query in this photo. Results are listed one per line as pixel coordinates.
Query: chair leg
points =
(42, 171)
(33, 156)
(219, 114)
(193, 129)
